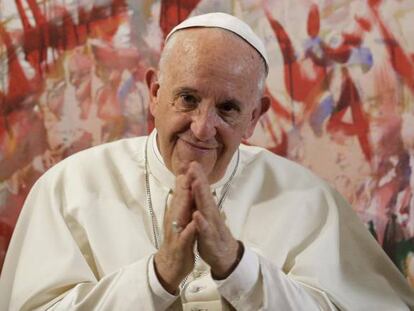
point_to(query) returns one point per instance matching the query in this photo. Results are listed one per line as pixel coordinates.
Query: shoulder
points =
(127, 147)
(99, 161)
(280, 191)
(283, 172)
(271, 177)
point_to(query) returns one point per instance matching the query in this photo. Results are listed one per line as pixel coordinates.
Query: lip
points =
(198, 146)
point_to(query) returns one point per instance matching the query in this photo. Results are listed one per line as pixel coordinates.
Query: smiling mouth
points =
(198, 146)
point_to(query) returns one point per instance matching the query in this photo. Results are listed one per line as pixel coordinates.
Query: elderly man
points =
(188, 218)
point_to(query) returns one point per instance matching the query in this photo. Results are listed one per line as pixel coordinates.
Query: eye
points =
(229, 107)
(186, 102)
(229, 111)
(189, 99)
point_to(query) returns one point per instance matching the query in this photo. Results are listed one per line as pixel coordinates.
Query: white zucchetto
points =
(228, 22)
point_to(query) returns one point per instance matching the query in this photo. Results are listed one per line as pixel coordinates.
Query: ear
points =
(151, 80)
(257, 112)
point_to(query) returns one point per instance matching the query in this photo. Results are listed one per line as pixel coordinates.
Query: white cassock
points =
(84, 240)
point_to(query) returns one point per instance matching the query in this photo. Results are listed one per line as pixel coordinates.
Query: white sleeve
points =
(161, 297)
(50, 266)
(241, 281)
(125, 289)
(281, 291)
(257, 284)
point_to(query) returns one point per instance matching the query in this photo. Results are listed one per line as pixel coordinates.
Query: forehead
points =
(214, 58)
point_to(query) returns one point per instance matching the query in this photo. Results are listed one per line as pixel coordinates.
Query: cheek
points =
(247, 129)
(231, 138)
(177, 122)
(171, 124)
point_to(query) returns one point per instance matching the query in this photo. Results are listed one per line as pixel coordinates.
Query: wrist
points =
(221, 274)
(164, 275)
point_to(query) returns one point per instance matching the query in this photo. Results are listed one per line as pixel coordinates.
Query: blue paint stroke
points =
(322, 112)
(361, 56)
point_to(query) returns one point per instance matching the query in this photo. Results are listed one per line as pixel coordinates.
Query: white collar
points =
(165, 177)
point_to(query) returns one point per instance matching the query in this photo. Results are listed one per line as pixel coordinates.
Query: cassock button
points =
(197, 274)
(196, 288)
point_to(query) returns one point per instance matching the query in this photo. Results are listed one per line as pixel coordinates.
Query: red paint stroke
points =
(339, 54)
(277, 107)
(37, 14)
(342, 53)
(350, 98)
(58, 32)
(313, 21)
(23, 17)
(66, 34)
(174, 12)
(36, 56)
(6, 231)
(300, 87)
(374, 4)
(363, 23)
(402, 63)
(280, 147)
(307, 90)
(282, 37)
(115, 59)
(26, 137)
(20, 88)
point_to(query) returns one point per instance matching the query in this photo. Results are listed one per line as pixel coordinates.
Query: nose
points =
(204, 124)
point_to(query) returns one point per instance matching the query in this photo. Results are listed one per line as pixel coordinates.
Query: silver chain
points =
(155, 227)
(155, 230)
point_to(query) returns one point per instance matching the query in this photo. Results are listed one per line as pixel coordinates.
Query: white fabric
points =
(228, 22)
(84, 239)
(238, 285)
(162, 298)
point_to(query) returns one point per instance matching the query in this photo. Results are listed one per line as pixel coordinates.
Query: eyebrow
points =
(186, 89)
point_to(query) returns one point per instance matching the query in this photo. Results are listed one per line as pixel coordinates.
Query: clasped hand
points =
(195, 210)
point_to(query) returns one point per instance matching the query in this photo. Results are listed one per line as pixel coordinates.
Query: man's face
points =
(207, 99)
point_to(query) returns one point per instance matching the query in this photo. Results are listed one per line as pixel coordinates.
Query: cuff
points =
(240, 282)
(162, 298)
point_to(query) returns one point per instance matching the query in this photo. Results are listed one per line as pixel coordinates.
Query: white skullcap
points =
(228, 22)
